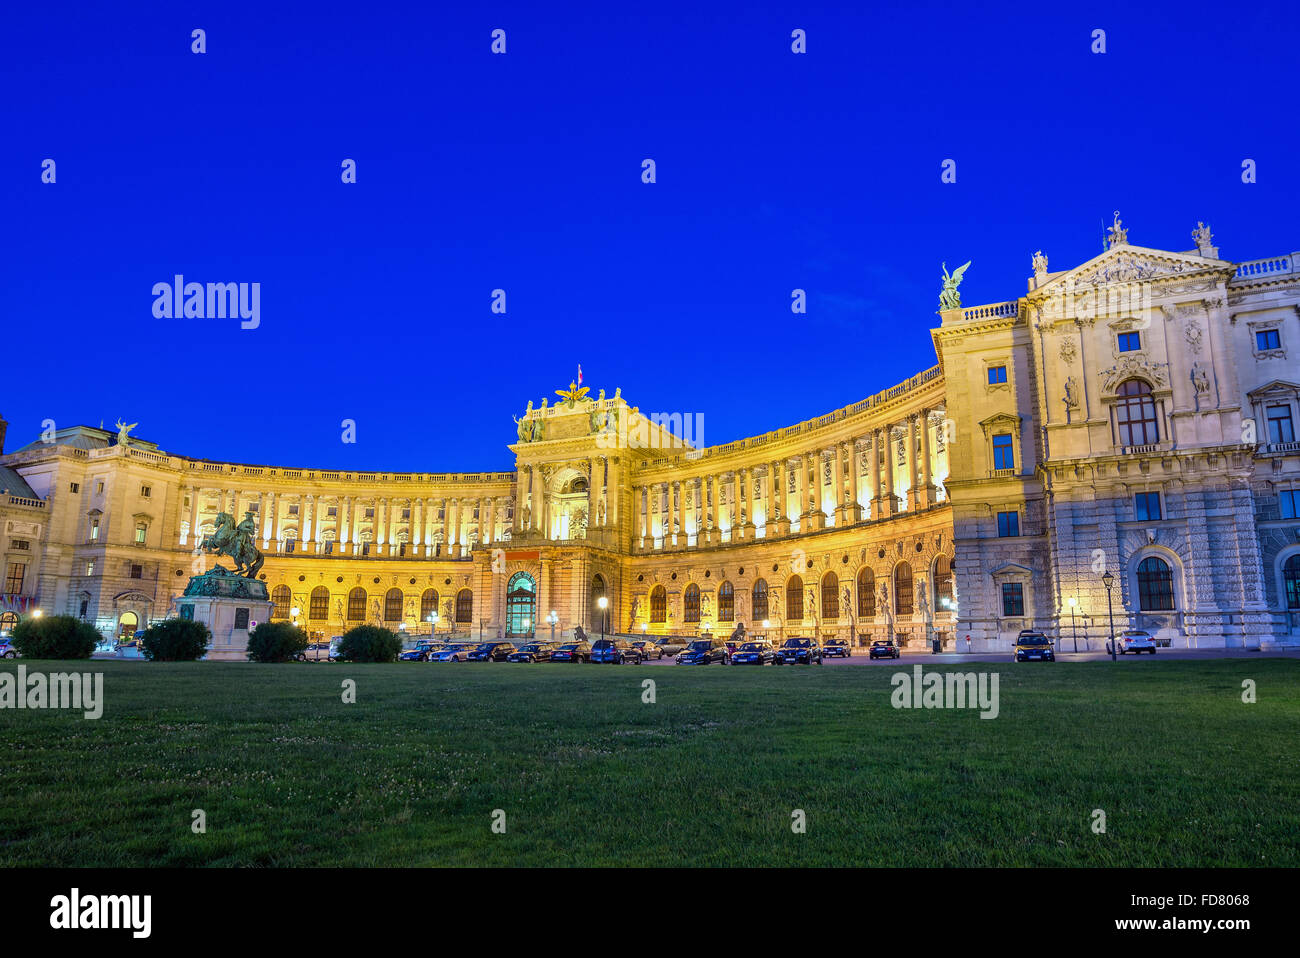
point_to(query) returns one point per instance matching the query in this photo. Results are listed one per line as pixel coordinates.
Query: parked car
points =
(420, 653)
(452, 653)
(318, 652)
(797, 650)
(753, 653)
(532, 652)
(704, 652)
(671, 644)
(1136, 641)
(492, 652)
(7, 651)
(649, 650)
(1034, 647)
(837, 649)
(617, 651)
(884, 649)
(572, 652)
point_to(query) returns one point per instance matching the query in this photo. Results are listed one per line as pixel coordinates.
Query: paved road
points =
(956, 658)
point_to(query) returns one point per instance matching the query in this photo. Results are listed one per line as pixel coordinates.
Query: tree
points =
(54, 637)
(369, 643)
(175, 640)
(276, 642)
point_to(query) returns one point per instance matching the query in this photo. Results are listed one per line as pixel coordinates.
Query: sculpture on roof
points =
(949, 298)
(123, 431)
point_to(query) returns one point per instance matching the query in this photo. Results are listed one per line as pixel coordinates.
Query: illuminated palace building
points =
(1130, 421)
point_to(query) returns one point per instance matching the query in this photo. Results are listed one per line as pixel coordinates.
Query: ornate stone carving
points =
(1192, 333)
(1068, 350)
(1118, 234)
(1129, 367)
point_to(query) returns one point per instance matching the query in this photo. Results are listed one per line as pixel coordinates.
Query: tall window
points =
(320, 603)
(1280, 428)
(393, 605)
(1013, 599)
(759, 600)
(830, 596)
(1008, 524)
(794, 598)
(464, 606)
(280, 597)
(692, 603)
(658, 604)
(1130, 342)
(599, 616)
(903, 588)
(1291, 579)
(7, 622)
(140, 533)
(1004, 457)
(1268, 339)
(14, 575)
(94, 530)
(997, 374)
(942, 583)
(357, 605)
(866, 593)
(1146, 505)
(726, 603)
(1135, 414)
(1155, 585)
(428, 604)
(1289, 503)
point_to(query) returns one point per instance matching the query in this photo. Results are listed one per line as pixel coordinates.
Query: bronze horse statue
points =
(236, 541)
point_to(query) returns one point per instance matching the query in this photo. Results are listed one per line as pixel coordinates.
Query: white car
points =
(1136, 641)
(7, 651)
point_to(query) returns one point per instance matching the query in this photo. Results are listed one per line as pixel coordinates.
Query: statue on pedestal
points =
(236, 541)
(949, 298)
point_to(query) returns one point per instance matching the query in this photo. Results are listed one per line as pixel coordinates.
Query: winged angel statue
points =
(949, 298)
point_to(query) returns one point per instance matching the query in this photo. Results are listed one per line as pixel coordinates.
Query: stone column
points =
(490, 516)
(854, 512)
(837, 485)
(891, 502)
(801, 491)
(308, 516)
(927, 492)
(681, 513)
(910, 439)
(873, 474)
(417, 525)
(195, 493)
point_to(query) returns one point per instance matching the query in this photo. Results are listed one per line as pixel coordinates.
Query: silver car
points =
(1136, 641)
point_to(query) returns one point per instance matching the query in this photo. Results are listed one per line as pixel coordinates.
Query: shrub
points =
(175, 640)
(276, 642)
(54, 637)
(369, 643)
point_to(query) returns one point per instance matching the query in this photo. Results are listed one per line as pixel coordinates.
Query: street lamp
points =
(37, 613)
(552, 618)
(1072, 602)
(293, 613)
(603, 602)
(433, 623)
(1108, 580)
(767, 624)
(527, 624)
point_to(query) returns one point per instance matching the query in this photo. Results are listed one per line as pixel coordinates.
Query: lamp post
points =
(293, 614)
(767, 624)
(1072, 602)
(527, 624)
(603, 602)
(552, 618)
(1108, 580)
(433, 623)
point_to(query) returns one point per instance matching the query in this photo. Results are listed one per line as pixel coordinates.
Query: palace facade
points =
(1129, 421)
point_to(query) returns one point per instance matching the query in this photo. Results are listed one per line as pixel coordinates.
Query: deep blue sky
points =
(522, 171)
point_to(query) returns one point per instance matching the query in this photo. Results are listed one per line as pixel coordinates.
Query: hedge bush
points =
(175, 640)
(276, 642)
(369, 643)
(54, 637)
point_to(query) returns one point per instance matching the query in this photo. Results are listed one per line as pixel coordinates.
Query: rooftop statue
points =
(1118, 234)
(123, 430)
(949, 298)
(573, 394)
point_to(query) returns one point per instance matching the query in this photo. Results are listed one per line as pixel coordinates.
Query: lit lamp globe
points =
(293, 613)
(433, 622)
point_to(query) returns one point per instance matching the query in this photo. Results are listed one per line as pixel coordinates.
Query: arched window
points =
(1155, 585)
(521, 598)
(1135, 414)
(942, 583)
(598, 592)
(692, 606)
(393, 605)
(7, 621)
(320, 603)
(830, 596)
(794, 598)
(759, 600)
(357, 605)
(726, 603)
(280, 598)
(903, 589)
(658, 604)
(465, 606)
(866, 593)
(428, 604)
(1291, 580)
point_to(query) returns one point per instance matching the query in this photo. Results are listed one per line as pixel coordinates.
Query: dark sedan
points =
(798, 651)
(423, 649)
(616, 651)
(492, 652)
(532, 652)
(704, 652)
(753, 653)
(884, 649)
(572, 652)
(837, 649)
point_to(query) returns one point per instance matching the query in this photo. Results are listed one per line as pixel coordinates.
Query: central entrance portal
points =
(521, 606)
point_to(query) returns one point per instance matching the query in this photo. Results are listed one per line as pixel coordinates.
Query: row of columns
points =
(537, 500)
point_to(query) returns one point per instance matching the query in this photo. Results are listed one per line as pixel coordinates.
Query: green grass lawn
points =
(587, 774)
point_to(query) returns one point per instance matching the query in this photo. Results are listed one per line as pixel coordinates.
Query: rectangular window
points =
(1008, 524)
(94, 529)
(1146, 505)
(139, 534)
(146, 491)
(332, 511)
(1268, 339)
(288, 546)
(99, 488)
(14, 578)
(90, 567)
(1004, 456)
(329, 547)
(370, 513)
(254, 507)
(406, 513)
(20, 544)
(137, 572)
(1013, 599)
(1128, 342)
(1280, 427)
(293, 510)
(76, 487)
(1289, 503)
(997, 374)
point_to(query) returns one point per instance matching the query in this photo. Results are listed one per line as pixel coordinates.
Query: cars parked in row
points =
(492, 652)
(754, 653)
(532, 652)
(616, 651)
(704, 652)
(420, 653)
(797, 650)
(648, 649)
(884, 649)
(572, 652)
(7, 651)
(459, 652)
(837, 649)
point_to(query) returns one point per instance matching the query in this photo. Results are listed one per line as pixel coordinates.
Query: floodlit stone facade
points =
(1134, 416)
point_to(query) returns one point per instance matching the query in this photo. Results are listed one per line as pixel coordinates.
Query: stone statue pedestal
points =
(812, 521)
(748, 531)
(780, 526)
(848, 515)
(230, 606)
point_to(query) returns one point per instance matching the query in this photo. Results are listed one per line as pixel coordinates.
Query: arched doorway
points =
(127, 624)
(521, 606)
(597, 615)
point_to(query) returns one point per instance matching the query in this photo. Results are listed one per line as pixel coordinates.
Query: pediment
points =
(1000, 419)
(1277, 388)
(1011, 568)
(1129, 264)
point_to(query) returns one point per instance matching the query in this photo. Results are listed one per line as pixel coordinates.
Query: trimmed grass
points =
(587, 774)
